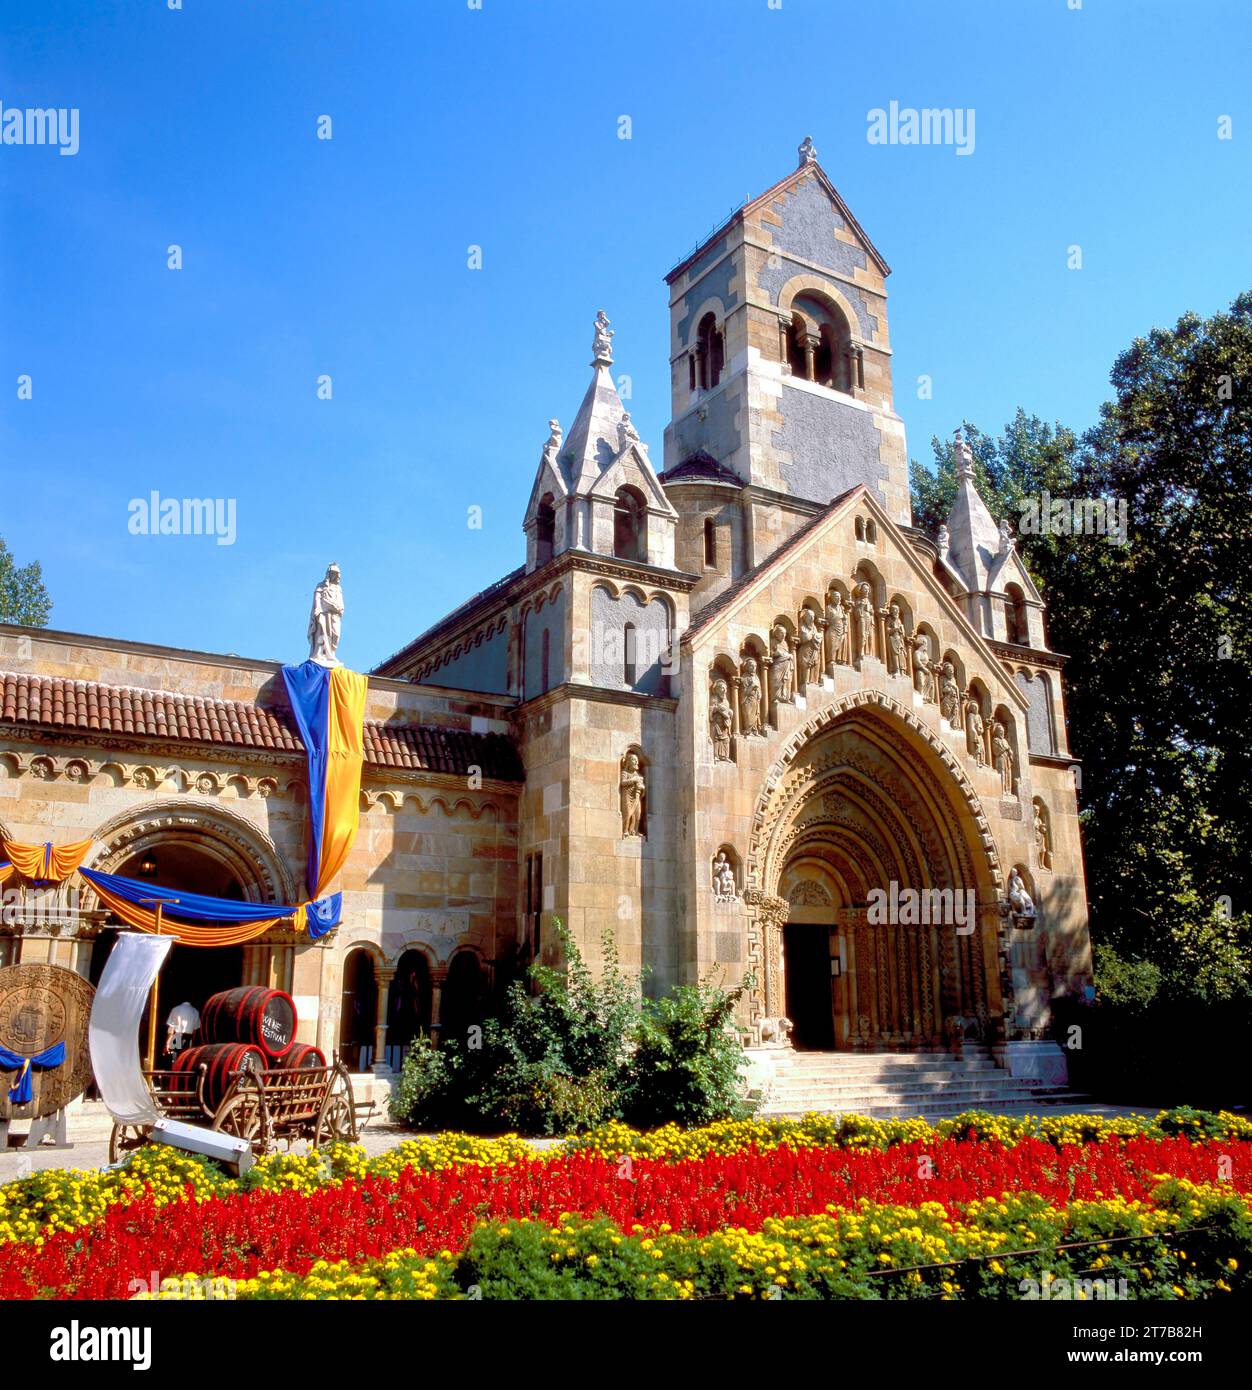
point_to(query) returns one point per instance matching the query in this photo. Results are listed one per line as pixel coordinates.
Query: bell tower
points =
(781, 364)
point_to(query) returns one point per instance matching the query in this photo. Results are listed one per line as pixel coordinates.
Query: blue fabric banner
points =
(308, 688)
(22, 1090)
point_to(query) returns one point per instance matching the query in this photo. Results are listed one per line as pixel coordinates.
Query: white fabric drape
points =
(116, 1014)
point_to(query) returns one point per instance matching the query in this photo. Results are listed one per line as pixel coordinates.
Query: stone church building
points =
(733, 711)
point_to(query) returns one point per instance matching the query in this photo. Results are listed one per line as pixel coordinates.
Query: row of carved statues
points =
(987, 740)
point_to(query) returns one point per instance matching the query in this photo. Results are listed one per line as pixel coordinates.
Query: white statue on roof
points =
(553, 447)
(807, 151)
(602, 344)
(325, 619)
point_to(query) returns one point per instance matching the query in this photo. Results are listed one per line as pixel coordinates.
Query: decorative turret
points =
(596, 489)
(983, 567)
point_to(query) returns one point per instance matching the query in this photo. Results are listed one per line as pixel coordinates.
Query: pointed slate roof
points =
(595, 438)
(808, 166)
(973, 536)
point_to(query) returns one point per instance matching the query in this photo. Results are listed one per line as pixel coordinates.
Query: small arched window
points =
(860, 528)
(709, 352)
(629, 535)
(710, 544)
(545, 530)
(1017, 628)
(630, 648)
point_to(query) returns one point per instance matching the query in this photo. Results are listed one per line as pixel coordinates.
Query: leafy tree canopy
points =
(23, 598)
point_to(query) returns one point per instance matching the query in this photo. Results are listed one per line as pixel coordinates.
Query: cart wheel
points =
(125, 1139)
(336, 1120)
(242, 1115)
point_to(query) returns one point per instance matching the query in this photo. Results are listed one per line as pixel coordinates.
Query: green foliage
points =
(687, 1059)
(576, 1050)
(23, 598)
(421, 1096)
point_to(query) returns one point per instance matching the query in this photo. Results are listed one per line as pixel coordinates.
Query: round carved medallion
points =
(40, 1006)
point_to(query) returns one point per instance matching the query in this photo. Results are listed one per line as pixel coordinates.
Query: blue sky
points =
(499, 127)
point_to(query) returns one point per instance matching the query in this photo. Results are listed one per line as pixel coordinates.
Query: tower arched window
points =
(545, 530)
(710, 543)
(819, 346)
(545, 647)
(630, 525)
(709, 352)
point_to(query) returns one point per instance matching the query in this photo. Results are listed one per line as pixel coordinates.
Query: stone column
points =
(811, 343)
(784, 335)
(383, 979)
(438, 978)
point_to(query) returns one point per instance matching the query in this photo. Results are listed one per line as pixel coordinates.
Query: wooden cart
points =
(265, 1107)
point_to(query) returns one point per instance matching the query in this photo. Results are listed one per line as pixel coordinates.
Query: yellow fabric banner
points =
(345, 752)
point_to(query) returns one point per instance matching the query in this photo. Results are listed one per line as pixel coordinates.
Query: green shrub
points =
(687, 1059)
(579, 1051)
(422, 1097)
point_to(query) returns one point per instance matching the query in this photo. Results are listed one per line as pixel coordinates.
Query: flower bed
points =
(428, 1218)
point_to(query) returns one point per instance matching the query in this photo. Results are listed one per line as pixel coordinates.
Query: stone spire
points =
(973, 536)
(583, 469)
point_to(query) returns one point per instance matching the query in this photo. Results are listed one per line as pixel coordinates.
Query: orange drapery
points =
(144, 919)
(41, 863)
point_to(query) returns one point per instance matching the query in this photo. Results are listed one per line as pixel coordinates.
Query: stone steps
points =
(902, 1084)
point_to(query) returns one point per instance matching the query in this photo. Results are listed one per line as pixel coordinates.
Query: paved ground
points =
(89, 1135)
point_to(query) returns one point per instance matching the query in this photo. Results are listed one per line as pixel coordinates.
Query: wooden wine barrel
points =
(303, 1055)
(223, 1060)
(266, 1018)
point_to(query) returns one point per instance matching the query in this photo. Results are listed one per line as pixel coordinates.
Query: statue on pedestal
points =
(325, 619)
(749, 684)
(631, 790)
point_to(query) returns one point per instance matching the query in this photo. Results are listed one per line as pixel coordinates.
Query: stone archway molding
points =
(237, 842)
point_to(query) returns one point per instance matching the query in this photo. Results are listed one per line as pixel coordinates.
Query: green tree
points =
(23, 598)
(1159, 679)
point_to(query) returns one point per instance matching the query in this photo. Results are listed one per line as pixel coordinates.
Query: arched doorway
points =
(358, 1013)
(464, 997)
(190, 973)
(408, 1005)
(878, 906)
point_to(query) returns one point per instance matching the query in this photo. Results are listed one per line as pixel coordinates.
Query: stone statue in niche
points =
(949, 694)
(1043, 850)
(922, 677)
(1002, 756)
(974, 727)
(1020, 901)
(602, 345)
(836, 629)
(325, 619)
(896, 640)
(749, 684)
(809, 647)
(863, 609)
(553, 447)
(721, 721)
(782, 665)
(631, 790)
(724, 887)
